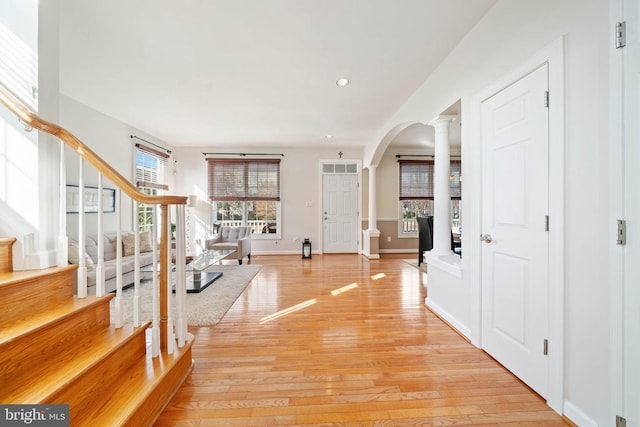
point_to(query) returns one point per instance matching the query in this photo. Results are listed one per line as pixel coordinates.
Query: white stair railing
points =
(181, 282)
(82, 267)
(100, 286)
(155, 301)
(63, 240)
(162, 340)
(136, 272)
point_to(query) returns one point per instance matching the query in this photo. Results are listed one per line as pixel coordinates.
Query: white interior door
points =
(515, 204)
(631, 204)
(340, 213)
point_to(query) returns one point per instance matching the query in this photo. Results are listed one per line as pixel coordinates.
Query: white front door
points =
(630, 298)
(340, 213)
(515, 203)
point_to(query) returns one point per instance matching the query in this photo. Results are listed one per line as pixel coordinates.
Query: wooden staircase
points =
(57, 348)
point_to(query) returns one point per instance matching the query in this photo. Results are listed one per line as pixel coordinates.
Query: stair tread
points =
(72, 362)
(132, 390)
(13, 328)
(12, 277)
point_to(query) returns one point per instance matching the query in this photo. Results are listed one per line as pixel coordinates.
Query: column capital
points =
(442, 119)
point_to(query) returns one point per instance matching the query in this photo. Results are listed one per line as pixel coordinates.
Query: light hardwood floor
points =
(368, 354)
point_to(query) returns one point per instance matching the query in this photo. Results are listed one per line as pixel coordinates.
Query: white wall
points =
(111, 140)
(510, 33)
(18, 149)
(300, 183)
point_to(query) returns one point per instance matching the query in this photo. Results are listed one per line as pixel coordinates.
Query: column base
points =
(449, 262)
(371, 243)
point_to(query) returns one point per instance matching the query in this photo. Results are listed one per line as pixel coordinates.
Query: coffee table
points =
(198, 279)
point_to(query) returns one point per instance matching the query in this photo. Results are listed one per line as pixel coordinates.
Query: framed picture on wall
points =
(91, 199)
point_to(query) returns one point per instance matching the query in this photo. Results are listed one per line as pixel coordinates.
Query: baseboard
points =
(568, 421)
(447, 318)
(297, 252)
(576, 416)
(398, 251)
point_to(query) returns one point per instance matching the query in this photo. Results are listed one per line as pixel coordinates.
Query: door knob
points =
(486, 238)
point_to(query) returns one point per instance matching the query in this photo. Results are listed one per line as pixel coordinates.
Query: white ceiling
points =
(256, 73)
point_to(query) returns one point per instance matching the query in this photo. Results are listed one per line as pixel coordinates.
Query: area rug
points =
(414, 262)
(203, 309)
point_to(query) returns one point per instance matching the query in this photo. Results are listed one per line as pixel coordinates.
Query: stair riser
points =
(37, 294)
(154, 404)
(90, 390)
(41, 345)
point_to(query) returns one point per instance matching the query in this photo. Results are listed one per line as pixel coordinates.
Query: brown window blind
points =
(416, 179)
(150, 165)
(231, 180)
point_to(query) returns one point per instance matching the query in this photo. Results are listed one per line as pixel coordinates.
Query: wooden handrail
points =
(29, 118)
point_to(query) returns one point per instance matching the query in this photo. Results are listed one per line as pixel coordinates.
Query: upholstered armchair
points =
(232, 238)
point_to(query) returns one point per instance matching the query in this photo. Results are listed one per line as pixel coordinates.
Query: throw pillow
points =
(146, 245)
(128, 244)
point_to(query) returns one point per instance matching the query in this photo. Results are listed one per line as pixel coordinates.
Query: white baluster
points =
(181, 277)
(82, 267)
(118, 298)
(155, 299)
(171, 336)
(136, 270)
(100, 286)
(63, 240)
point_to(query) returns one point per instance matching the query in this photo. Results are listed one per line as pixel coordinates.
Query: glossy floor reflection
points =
(347, 341)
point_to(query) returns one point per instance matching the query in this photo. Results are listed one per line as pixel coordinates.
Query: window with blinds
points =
(246, 192)
(150, 168)
(151, 165)
(416, 180)
(244, 179)
(416, 193)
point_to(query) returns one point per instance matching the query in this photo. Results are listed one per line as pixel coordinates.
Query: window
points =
(246, 192)
(416, 193)
(150, 178)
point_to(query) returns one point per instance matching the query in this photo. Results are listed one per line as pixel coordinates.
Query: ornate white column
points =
(371, 244)
(441, 187)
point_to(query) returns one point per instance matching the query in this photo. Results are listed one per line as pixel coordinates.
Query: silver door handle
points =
(486, 238)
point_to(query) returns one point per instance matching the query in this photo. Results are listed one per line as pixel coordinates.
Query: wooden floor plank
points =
(344, 341)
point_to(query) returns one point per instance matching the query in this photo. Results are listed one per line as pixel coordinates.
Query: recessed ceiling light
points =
(329, 136)
(342, 82)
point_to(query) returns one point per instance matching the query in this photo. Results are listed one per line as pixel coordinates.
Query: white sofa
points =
(232, 238)
(128, 258)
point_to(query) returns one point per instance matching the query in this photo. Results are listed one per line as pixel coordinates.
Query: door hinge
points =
(621, 237)
(621, 421)
(621, 34)
(545, 347)
(546, 223)
(546, 98)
